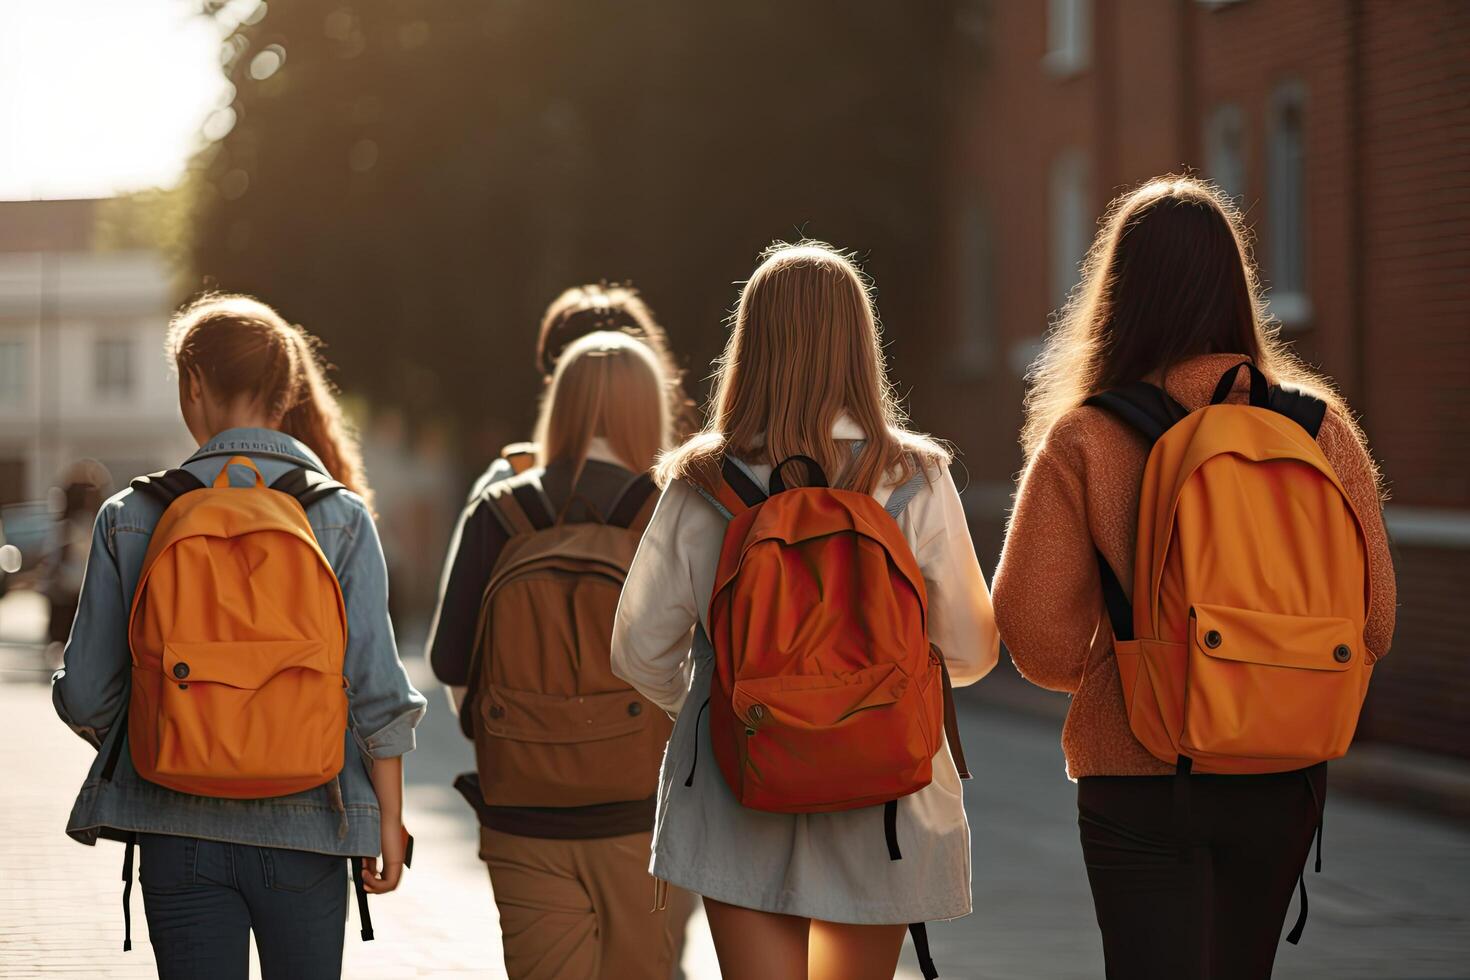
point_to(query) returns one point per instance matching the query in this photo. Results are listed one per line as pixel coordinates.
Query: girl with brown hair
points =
(570, 881)
(802, 895)
(1168, 296)
(215, 869)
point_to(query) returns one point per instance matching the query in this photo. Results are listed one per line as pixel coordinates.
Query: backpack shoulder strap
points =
(521, 504)
(1305, 410)
(902, 496)
(634, 504)
(307, 485)
(166, 486)
(1146, 408)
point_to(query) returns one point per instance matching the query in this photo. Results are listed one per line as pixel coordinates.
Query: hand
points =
(393, 844)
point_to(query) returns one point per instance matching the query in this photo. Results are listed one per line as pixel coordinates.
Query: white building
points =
(82, 368)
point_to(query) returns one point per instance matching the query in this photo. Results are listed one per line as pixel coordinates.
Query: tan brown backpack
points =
(553, 726)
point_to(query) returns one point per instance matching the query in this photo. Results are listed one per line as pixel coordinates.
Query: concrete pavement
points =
(1393, 902)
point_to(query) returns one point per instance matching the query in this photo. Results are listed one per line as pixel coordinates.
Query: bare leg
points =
(755, 945)
(838, 951)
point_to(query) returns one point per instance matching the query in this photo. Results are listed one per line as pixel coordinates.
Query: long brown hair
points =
(241, 348)
(603, 306)
(1169, 277)
(804, 350)
(607, 385)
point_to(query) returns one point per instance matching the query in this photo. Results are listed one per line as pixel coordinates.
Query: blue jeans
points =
(204, 897)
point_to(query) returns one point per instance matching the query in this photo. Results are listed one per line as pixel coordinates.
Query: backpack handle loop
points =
(223, 480)
(814, 470)
(1260, 391)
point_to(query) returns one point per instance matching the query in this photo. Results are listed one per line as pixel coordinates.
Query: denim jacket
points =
(91, 690)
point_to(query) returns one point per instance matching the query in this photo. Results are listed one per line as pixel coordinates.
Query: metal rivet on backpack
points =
(496, 711)
(635, 709)
(1213, 639)
(757, 712)
(181, 670)
(1343, 653)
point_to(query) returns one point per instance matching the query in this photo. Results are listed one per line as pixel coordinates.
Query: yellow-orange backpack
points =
(238, 634)
(1242, 649)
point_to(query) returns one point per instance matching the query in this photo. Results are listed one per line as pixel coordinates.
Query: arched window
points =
(1286, 227)
(1225, 149)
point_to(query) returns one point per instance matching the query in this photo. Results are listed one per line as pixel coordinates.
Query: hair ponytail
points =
(242, 347)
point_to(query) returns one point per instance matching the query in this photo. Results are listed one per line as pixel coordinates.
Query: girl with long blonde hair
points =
(805, 895)
(570, 880)
(1168, 296)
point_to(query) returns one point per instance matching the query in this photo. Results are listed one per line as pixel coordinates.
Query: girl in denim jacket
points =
(213, 869)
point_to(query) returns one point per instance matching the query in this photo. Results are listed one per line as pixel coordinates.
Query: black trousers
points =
(1196, 884)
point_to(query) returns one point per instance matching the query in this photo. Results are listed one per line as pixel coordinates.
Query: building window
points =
(12, 371)
(1286, 230)
(1071, 221)
(113, 367)
(1225, 149)
(975, 348)
(1068, 36)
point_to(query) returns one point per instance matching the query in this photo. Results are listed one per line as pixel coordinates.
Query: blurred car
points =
(27, 527)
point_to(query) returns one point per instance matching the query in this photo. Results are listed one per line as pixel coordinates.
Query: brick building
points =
(1343, 128)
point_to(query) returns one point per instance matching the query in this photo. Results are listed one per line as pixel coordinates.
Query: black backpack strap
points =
(1259, 387)
(1305, 410)
(813, 472)
(307, 485)
(1145, 407)
(632, 501)
(1120, 610)
(920, 935)
(166, 486)
(531, 498)
(739, 480)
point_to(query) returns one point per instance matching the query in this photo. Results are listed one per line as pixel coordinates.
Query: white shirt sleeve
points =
(658, 608)
(961, 620)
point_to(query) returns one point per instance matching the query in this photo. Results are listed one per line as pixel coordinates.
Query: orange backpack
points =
(827, 694)
(553, 726)
(1242, 650)
(238, 633)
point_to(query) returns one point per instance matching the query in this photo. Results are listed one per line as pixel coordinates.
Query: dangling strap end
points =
(127, 877)
(890, 830)
(365, 919)
(920, 935)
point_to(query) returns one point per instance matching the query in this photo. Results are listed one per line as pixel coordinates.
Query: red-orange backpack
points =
(827, 693)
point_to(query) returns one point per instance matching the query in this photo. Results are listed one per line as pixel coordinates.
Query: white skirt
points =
(829, 866)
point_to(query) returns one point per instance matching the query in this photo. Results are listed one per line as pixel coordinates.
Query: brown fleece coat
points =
(1083, 487)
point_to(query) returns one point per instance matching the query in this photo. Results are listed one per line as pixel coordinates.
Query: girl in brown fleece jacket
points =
(1168, 296)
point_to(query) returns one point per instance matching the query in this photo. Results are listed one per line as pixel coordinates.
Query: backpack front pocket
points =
(248, 718)
(1272, 686)
(809, 743)
(537, 749)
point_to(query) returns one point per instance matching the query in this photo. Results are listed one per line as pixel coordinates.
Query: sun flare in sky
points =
(103, 96)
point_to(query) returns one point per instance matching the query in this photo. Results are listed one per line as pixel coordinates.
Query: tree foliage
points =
(414, 180)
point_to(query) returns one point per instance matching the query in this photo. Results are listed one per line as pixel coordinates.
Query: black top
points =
(474, 549)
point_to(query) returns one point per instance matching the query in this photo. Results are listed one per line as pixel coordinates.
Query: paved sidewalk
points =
(61, 902)
(1393, 902)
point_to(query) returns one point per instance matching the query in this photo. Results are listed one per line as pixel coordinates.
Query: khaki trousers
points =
(582, 909)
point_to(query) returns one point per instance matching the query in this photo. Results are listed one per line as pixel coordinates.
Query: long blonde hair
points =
(241, 347)
(1168, 277)
(611, 385)
(804, 351)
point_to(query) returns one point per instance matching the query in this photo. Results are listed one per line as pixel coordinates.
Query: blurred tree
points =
(415, 180)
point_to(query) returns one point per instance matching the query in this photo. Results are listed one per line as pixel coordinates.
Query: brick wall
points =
(1386, 107)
